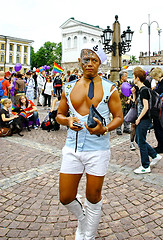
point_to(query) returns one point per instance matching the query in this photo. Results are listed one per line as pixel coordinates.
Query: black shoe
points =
(38, 104)
(28, 129)
(158, 150)
(21, 135)
(119, 132)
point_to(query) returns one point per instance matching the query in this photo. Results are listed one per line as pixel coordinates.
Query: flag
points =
(57, 68)
(22, 113)
(125, 67)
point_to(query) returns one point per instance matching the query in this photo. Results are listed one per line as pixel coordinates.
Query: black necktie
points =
(91, 88)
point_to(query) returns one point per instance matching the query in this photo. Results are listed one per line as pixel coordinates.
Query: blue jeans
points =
(34, 118)
(158, 133)
(145, 149)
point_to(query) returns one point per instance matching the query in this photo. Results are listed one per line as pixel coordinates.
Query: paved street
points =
(29, 206)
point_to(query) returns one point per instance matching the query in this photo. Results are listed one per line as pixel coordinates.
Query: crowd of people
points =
(140, 96)
(22, 90)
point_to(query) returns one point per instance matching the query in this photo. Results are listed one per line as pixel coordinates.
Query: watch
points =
(106, 131)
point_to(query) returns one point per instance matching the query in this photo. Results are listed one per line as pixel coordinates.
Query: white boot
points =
(76, 208)
(93, 215)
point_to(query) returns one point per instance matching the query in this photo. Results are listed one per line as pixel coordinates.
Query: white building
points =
(74, 35)
(14, 50)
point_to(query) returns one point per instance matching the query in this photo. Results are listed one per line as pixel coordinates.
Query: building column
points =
(29, 55)
(15, 51)
(22, 54)
(7, 51)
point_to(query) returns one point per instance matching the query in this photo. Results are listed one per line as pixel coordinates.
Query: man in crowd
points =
(93, 150)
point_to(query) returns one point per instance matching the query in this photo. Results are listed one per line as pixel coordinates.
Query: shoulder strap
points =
(2, 80)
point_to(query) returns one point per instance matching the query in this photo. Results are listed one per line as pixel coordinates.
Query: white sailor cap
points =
(96, 49)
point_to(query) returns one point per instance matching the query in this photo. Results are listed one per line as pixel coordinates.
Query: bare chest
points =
(80, 100)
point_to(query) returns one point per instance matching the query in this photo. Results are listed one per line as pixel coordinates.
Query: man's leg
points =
(68, 185)
(93, 205)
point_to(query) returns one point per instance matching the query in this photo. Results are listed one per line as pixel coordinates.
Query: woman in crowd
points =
(19, 88)
(142, 123)
(58, 85)
(5, 119)
(30, 109)
(48, 91)
(157, 74)
(30, 87)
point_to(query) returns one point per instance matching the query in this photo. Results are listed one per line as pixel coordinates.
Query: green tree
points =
(33, 58)
(47, 54)
(133, 59)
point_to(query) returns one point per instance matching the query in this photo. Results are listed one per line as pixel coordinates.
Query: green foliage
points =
(46, 55)
(33, 61)
(133, 59)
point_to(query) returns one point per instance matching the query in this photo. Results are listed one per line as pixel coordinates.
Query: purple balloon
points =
(126, 89)
(48, 67)
(17, 67)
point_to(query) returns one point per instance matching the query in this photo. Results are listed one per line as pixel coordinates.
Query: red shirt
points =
(5, 85)
(28, 108)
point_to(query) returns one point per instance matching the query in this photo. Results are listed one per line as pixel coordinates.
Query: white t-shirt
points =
(154, 83)
(48, 88)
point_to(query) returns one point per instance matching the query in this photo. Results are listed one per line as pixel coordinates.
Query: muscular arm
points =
(116, 110)
(62, 111)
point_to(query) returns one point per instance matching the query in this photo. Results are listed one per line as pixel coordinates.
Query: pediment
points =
(70, 23)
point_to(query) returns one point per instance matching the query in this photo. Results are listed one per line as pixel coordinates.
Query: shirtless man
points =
(93, 152)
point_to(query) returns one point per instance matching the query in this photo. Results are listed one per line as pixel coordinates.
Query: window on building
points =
(25, 49)
(2, 46)
(75, 41)
(10, 69)
(25, 70)
(25, 59)
(11, 47)
(84, 40)
(1, 69)
(10, 59)
(18, 48)
(17, 59)
(69, 42)
(2, 57)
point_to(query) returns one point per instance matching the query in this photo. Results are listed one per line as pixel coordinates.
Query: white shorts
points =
(93, 162)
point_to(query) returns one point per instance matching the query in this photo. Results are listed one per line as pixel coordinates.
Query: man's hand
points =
(98, 130)
(71, 120)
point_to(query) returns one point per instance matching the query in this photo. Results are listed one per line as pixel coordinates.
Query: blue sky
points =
(40, 20)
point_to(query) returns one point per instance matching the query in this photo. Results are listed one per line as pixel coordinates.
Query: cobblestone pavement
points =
(29, 205)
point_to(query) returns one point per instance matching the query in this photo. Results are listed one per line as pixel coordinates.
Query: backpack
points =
(155, 105)
(50, 123)
(1, 89)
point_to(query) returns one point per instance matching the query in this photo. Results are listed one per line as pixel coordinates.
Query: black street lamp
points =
(123, 45)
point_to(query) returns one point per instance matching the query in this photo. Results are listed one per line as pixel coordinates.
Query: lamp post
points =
(120, 45)
(149, 32)
(159, 34)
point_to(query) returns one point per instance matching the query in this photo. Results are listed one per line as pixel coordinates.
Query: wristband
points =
(106, 131)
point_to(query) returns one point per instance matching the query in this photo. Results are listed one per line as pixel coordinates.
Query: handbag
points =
(94, 113)
(131, 116)
(4, 132)
(41, 99)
